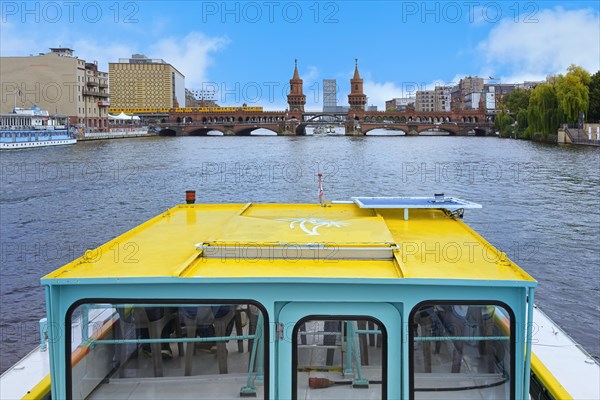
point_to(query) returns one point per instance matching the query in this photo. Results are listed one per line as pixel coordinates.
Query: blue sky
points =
(247, 49)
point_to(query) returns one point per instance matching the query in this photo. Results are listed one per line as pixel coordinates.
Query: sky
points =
(245, 51)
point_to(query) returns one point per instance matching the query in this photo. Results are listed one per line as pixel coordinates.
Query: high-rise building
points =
(329, 95)
(57, 82)
(142, 82)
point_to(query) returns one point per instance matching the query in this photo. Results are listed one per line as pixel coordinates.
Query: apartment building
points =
(58, 82)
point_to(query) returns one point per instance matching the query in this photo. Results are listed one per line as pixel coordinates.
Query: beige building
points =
(425, 100)
(58, 82)
(433, 100)
(442, 98)
(142, 82)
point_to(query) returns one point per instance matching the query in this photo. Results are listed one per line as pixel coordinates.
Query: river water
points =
(540, 203)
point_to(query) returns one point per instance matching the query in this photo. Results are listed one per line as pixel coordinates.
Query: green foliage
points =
(594, 107)
(573, 93)
(517, 100)
(522, 123)
(503, 124)
(581, 73)
(543, 109)
(542, 112)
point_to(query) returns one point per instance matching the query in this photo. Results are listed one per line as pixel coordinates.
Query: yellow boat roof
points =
(296, 240)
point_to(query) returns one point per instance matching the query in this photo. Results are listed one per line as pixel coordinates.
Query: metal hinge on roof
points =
(296, 251)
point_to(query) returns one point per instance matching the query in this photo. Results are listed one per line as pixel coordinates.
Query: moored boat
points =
(33, 127)
(369, 298)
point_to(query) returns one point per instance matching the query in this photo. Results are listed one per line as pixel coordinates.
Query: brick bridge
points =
(242, 123)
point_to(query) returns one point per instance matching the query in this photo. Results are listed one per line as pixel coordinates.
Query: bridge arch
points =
(336, 118)
(204, 131)
(167, 132)
(436, 128)
(387, 128)
(248, 131)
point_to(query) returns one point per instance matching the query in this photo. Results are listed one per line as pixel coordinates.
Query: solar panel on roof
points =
(439, 201)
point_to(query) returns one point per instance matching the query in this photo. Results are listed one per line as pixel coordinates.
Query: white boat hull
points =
(43, 143)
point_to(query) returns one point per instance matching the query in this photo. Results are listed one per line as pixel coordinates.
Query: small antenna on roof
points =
(320, 187)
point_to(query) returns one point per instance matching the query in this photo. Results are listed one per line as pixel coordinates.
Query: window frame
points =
(411, 337)
(345, 317)
(80, 302)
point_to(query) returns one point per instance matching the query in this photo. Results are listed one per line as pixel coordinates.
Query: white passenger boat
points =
(26, 128)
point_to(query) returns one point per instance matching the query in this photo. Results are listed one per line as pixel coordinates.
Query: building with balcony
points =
(142, 82)
(59, 82)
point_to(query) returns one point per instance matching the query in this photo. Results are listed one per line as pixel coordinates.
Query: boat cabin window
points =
(339, 358)
(171, 349)
(461, 351)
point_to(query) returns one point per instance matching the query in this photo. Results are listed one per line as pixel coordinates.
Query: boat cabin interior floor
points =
(136, 379)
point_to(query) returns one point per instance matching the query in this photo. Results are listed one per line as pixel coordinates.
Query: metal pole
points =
(527, 371)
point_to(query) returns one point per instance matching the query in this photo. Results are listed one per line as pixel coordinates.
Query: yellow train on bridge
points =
(184, 110)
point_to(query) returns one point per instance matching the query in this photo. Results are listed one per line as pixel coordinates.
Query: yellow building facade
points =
(141, 82)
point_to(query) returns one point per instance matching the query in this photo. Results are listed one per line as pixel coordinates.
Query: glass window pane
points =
(339, 359)
(461, 351)
(167, 350)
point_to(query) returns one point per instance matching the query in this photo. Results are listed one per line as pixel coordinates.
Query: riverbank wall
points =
(116, 134)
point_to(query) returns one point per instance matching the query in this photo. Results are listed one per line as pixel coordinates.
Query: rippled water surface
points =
(541, 203)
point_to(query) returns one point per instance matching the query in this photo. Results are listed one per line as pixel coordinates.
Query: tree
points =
(580, 72)
(503, 123)
(594, 88)
(517, 100)
(522, 122)
(542, 112)
(573, 93)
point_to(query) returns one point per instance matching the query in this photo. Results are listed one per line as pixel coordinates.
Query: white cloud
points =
(18, 40)
(103, 53)
(379, 93)
(559, 38)
(191, 55)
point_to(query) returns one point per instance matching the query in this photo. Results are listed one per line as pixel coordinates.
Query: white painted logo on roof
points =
(311, 225)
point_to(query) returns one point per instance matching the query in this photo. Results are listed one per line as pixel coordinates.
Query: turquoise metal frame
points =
(512, 337)
(389, 300)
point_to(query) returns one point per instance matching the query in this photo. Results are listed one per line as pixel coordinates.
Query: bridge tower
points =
(296, 99)
(357, 99)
